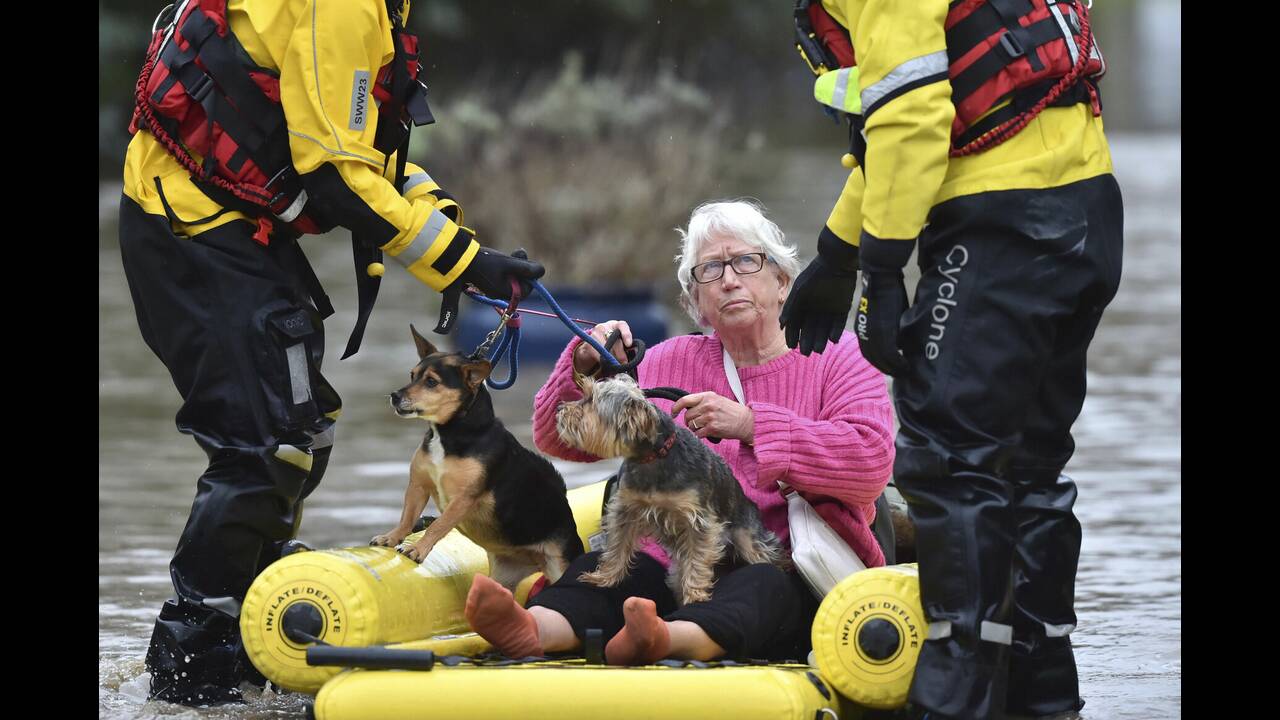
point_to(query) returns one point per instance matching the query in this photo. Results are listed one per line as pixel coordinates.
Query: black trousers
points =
(1013, 287)
(755, 611)
(243, 345)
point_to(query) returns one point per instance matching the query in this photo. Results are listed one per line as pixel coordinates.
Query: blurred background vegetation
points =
(573, 126)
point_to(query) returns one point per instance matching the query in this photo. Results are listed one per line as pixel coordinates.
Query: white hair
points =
(742, 219)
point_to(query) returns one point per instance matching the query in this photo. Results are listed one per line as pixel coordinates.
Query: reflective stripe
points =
(996, 633)
(292, 212)
(334, 414)
(939, 630)
(908, 72)
(415, 180)
(315, 64)
(225, 605)
(844, 78)
(839, 90)
(299, 373)
(295, 456)
(339, 151)
(1066, 31)
(1058, 630)
(423, 241)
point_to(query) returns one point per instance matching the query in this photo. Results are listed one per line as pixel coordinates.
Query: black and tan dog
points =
(505, 498)
(670, 486)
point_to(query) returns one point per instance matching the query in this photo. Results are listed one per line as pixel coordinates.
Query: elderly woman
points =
(822, 424)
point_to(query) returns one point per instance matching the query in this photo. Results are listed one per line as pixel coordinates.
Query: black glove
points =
(491, 272)
(819, 302)
(883, 303)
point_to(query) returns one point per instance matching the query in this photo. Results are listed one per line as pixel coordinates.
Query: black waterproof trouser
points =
(230, 321)
(755, 611)
(1013, 285)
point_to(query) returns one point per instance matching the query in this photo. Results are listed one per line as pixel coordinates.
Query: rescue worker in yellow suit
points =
(223, 296)
(1017, 222)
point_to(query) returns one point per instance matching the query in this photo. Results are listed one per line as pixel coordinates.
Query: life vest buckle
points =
(1011, 45)
(200, 90)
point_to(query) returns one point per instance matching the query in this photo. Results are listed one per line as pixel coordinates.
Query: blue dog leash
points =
(509, 325)
(509, 344)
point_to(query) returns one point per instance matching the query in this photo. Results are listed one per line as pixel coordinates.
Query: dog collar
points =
(661, 452)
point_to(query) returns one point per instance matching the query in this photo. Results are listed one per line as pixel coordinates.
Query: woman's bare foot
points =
(643, 640)
(496, 616)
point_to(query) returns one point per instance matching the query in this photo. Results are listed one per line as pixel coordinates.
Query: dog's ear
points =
(475, 372)
(425, 347)
(642, 419)
(585, 383)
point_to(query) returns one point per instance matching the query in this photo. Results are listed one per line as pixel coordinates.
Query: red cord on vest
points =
(1011, 127)
(249, 193)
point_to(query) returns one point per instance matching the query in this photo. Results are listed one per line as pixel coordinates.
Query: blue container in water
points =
(542, 339)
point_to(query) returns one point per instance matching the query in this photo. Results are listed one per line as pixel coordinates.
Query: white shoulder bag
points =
(821, 556)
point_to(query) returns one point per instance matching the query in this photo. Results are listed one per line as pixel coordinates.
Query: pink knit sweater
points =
(823, 425)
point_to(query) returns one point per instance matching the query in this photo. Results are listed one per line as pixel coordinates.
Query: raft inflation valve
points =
(302, 622)
(879, 639)
(867, 636)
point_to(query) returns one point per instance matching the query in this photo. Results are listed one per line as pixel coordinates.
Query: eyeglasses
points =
(742, 265)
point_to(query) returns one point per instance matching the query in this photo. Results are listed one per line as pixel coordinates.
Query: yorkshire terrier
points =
(670, 487)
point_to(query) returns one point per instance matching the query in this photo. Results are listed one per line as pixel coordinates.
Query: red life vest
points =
(201, 95)
(1007, 61)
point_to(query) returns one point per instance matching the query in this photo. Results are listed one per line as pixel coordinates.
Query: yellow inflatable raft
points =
(556, 691)
(866, 637)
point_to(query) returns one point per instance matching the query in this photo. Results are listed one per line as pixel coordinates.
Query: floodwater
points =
(1128, 463)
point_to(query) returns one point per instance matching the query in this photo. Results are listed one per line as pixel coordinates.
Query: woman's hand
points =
(586, 360)
(710, 414)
